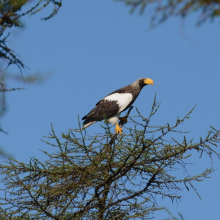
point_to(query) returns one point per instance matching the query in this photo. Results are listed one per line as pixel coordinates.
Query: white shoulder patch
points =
(122, 99)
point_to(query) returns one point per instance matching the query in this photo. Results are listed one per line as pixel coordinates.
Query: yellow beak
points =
(148, 81)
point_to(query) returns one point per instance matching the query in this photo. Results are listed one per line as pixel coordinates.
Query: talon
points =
(124, 119)
(118, 129)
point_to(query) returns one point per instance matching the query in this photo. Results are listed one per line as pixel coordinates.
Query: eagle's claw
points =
(118, 129)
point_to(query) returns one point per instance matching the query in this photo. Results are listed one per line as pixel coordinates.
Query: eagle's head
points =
(143, 82)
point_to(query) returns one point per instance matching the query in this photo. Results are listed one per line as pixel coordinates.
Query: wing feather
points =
(109, 106)
(103, 109)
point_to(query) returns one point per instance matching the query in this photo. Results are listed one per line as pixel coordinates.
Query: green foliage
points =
(106, 176)
(2, 103)
(10, 13)
(172, 217)
(160, 11)
(2, 100)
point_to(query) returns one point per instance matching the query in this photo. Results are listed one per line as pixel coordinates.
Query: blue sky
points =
(95, 47)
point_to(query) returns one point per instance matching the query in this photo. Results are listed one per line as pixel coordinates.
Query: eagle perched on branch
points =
(112, 105)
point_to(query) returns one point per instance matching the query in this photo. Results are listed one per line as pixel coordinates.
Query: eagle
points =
(111, 106)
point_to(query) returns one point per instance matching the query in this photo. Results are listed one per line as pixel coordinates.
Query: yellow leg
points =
(118, 129)
(124, 119)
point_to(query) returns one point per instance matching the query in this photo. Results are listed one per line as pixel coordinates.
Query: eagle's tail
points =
(86, 124)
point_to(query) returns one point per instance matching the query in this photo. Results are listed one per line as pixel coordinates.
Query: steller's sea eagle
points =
(116, 102)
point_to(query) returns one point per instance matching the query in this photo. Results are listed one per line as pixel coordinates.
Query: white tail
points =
(87, 125)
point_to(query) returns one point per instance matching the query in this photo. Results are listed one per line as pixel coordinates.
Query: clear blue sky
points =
(95, 47)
